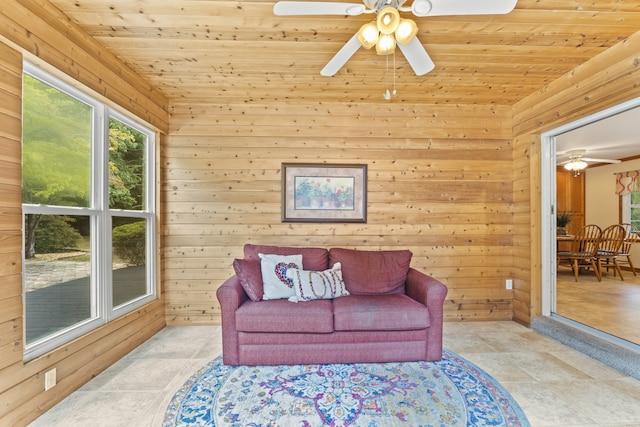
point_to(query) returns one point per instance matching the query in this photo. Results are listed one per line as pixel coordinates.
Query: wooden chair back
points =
(586, 242)
(630, 236)
(584, 250)
(611, 241)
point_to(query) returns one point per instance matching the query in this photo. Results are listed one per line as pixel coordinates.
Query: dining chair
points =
(631, 237)
(584, 248)
(609, 247)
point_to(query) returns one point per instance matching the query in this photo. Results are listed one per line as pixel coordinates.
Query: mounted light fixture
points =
(385, 30)
(576, 165)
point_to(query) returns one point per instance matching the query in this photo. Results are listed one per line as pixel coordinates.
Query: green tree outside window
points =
(56, 156)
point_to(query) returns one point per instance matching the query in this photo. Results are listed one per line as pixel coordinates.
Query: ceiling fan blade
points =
(589, 159)
(417, 56)
(341, 58)
(290, 8)
(461, 7)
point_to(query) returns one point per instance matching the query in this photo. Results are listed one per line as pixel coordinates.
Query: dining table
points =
(561, 238)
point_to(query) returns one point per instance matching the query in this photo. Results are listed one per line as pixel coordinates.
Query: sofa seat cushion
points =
(372, 272)
(395, 312)
(284, 316)
(312, 258)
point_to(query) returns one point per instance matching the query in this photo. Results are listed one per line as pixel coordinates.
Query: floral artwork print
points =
(313, 192)
(324, 192)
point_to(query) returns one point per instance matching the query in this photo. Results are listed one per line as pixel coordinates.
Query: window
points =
(88, 212)
(631, 209)
(634, 210)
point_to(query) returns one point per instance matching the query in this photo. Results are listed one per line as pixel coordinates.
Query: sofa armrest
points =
(230, 296)
(424, 288)
(430, 292)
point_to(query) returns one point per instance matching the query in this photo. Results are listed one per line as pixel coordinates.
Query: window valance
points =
(626, 182)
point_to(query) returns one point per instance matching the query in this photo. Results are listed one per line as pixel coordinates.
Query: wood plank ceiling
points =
(219, 52)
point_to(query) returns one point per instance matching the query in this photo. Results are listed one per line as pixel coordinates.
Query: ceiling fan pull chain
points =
(387, 94)
(394, 73)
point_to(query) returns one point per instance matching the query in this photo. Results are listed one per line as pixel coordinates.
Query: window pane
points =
(635, 217)
(129, 260)
(126, 167)
(58, 277)
(56, 149)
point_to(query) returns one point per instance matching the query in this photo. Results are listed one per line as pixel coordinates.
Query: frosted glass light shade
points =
(368, 35)
(386, 44)
(407, 30)
(388, 20)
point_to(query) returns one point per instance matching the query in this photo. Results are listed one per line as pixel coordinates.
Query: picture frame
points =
(324, 192)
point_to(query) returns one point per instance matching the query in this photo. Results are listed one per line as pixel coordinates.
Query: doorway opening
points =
(549, 142)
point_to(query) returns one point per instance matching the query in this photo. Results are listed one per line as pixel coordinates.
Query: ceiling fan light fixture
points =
(575, 165)
(386, 44)
(368, 35)
(407, 30)
(388, 20)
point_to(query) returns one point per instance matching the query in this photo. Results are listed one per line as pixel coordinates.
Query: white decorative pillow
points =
(310, 285)
(274, 275)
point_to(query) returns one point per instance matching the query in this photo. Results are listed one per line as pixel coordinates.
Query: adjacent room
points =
(600, 194)
(150, 147)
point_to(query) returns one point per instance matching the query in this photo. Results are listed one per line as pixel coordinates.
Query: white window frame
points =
(626, 208)
(101, 216)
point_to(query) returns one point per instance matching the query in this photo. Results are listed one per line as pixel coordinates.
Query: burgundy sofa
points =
(393, 313)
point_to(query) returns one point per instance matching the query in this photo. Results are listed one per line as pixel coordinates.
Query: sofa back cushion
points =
(312, 258)
(372, 272)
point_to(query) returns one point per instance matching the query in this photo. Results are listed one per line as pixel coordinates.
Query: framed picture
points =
(324, 192)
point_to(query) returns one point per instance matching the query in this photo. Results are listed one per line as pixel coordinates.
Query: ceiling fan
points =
(577, 162)
(389, 27)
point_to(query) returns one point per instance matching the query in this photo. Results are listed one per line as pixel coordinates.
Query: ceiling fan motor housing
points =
(378, 5)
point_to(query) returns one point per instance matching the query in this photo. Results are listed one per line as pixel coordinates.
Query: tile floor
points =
(554, 385)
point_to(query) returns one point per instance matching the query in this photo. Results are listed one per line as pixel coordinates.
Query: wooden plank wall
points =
(11, 321)
(39, 28)
(440, 184)
(38, 31)
(609, 79)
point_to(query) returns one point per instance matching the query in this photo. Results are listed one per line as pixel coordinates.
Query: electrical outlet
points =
(50, 379)
(509, 283)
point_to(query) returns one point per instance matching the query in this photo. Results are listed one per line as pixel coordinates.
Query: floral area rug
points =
(450, 392)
